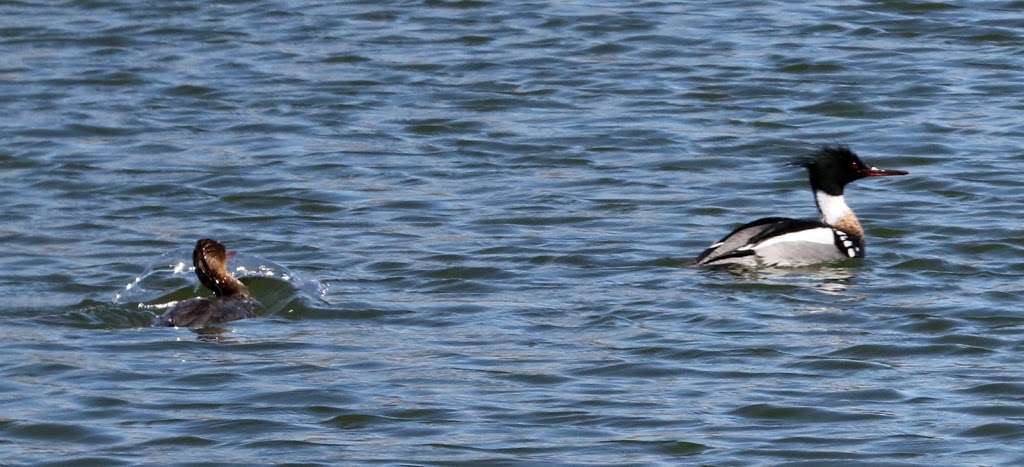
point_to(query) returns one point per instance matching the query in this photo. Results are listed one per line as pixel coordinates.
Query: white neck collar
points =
(833, 208)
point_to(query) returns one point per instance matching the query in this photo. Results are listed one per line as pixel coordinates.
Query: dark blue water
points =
(470, 223)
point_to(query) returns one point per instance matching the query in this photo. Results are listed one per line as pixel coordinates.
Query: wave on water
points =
(171, 278)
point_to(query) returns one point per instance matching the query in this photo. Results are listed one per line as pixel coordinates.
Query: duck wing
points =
(770, 232)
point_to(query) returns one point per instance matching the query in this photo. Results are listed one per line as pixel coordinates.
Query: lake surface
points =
(471, 224)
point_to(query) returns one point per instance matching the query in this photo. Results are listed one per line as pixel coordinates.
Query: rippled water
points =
(486, 210)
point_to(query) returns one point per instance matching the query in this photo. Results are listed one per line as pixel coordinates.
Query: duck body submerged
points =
(232, 300)
(199, 312)
(780, 241)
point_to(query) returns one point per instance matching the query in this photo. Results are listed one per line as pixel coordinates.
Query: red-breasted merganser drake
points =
(779, 241)
(231, 300)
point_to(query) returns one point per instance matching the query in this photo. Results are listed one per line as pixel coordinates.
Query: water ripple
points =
(471, 224)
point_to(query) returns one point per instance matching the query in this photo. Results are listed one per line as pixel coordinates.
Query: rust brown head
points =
(210, 259)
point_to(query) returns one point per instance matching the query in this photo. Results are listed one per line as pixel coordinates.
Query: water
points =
(486, 211)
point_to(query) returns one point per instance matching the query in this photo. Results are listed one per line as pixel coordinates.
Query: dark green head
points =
(832, 167)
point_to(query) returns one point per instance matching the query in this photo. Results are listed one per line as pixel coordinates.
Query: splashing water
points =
(172, 272)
